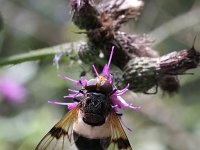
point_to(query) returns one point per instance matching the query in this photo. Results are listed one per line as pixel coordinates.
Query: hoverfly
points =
(92, 123)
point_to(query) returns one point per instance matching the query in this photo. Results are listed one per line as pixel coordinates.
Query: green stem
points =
(39, 54)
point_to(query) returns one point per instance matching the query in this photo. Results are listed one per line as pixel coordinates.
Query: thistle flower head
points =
(103, 83)
(11, 90)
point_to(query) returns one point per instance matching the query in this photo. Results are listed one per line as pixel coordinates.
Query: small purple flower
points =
(11, 90)
(117, 100)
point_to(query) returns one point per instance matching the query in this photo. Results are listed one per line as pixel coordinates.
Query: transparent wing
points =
(119, 140)
(60, 137)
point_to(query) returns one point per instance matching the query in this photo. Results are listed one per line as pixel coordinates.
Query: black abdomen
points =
(84, 143)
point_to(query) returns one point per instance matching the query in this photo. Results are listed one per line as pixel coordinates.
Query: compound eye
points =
(106, 87)
(91, 85)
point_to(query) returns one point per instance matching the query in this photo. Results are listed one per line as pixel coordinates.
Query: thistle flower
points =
(115, 97)
(11, 90)
(141, 66)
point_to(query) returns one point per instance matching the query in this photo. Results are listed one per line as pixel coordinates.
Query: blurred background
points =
(164, 122)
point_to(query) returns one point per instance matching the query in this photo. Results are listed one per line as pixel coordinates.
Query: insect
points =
(93, 122)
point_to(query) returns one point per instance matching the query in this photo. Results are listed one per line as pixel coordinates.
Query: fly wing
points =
(119, 140)
(60, 137)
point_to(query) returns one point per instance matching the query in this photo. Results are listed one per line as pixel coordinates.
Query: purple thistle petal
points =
(134, 107)
(95, 70)
(57, 103)
(70, 96)
(110, 79)
(121, 92)
(121, 103)
(106, 68)
(67, 78)
(72, 90)
(118, 101)
(115, 106)
(69, 105)
(73, 95)
(83, 81)
(111, 54)
(72, 105)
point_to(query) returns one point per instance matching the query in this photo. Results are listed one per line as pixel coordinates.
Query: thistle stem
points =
(38, 54)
